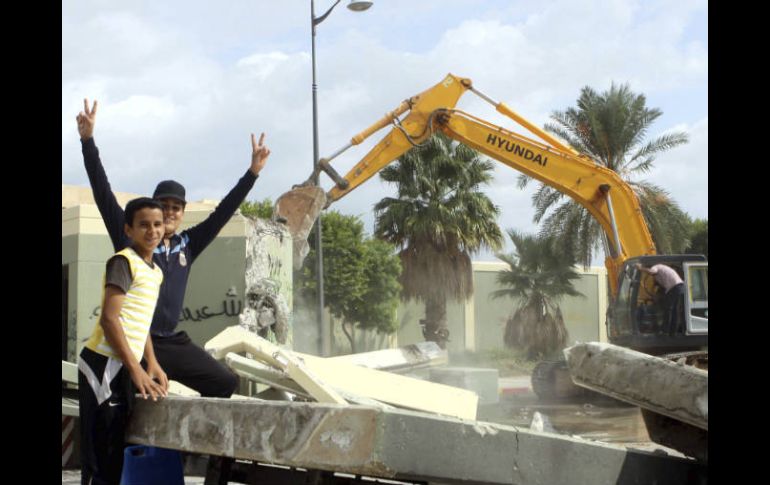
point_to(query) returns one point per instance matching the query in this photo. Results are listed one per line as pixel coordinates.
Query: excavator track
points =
(551, 381)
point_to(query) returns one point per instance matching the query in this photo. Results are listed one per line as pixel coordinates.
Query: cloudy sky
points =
(182, 84)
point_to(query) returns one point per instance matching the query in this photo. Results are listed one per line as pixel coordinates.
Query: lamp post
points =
(356, 6)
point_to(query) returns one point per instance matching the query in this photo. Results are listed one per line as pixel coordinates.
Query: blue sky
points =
(181, 85)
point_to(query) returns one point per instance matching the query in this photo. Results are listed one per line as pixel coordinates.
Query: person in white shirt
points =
(672, 283)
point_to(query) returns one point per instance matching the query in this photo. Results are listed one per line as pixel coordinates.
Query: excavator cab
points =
(638, 317)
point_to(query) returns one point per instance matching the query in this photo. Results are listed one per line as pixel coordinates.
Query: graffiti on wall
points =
(275, 270)
(230, 307)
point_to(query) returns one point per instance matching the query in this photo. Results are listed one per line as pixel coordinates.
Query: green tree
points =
(343, 277)
(539, 276)
(699, 237)
(375, 308)
(611, 128)
(360, 276)
(263, 210)
(439, 218)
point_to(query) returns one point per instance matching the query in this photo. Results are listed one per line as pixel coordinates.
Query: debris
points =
(322, 377)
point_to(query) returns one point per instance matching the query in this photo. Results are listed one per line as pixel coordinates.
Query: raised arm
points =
(111, 212)
(645, 269)
(202, 234)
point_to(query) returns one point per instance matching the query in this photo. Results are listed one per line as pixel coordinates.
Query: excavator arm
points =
(600, 190)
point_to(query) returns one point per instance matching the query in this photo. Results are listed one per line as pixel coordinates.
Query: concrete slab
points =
(395, 444)
(258, 372)
(69, 372)
(69, 407)
(393, 389)
(660, 385)
(403, 359)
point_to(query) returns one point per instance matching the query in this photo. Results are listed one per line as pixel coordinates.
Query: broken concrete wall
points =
(672, 389)
(268, 275)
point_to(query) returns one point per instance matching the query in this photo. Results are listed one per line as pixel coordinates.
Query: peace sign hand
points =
(86, 120)
(259, 153)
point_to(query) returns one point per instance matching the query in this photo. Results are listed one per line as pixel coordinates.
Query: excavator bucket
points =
(300, 208)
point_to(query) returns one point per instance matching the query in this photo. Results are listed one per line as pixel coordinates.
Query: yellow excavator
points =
(635, 317)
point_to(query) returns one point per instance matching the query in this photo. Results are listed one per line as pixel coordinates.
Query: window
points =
(699, 284)
(697, 297)
(621, 321)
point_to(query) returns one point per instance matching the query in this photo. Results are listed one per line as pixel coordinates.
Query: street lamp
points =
(356, 6)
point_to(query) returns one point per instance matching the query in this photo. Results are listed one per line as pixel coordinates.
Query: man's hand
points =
(86, 120)
(156, 373)
(259, 153)
(145, 385)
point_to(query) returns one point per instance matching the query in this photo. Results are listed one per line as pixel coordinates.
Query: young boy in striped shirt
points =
(110, 361)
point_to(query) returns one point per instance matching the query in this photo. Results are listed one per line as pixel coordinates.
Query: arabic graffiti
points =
(230, 308)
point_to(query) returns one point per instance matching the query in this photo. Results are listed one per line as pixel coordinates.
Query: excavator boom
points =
(600, 190)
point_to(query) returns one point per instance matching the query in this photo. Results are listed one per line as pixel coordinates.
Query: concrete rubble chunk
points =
(403, 359)
(255, 371)
(657, 384)
(395, 444)
(393, 389)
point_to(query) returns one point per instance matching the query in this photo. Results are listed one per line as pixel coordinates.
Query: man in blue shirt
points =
(180, 358)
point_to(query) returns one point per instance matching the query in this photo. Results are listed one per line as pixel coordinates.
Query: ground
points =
(508, 362)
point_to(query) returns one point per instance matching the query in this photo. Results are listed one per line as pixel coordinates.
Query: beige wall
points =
(479, 323)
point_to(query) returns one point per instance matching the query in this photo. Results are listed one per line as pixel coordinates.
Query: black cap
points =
(169, 188)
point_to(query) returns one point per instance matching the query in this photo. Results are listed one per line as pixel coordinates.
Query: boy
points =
(110, 360)
(184, 361)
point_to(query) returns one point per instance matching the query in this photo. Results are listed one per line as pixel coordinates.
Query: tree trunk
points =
(350, 335)
(332, 350)
(435, 325)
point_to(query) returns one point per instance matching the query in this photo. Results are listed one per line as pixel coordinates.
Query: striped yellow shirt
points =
(137, 309)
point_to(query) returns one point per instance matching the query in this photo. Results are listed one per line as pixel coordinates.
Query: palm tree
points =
(438, 220)
(539, 275)
(611, 128)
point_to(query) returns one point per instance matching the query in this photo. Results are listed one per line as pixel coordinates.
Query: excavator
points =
(635, 317)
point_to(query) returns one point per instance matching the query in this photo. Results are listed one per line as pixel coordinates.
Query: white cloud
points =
(262, 66)
(683, 171)
(182, 84)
